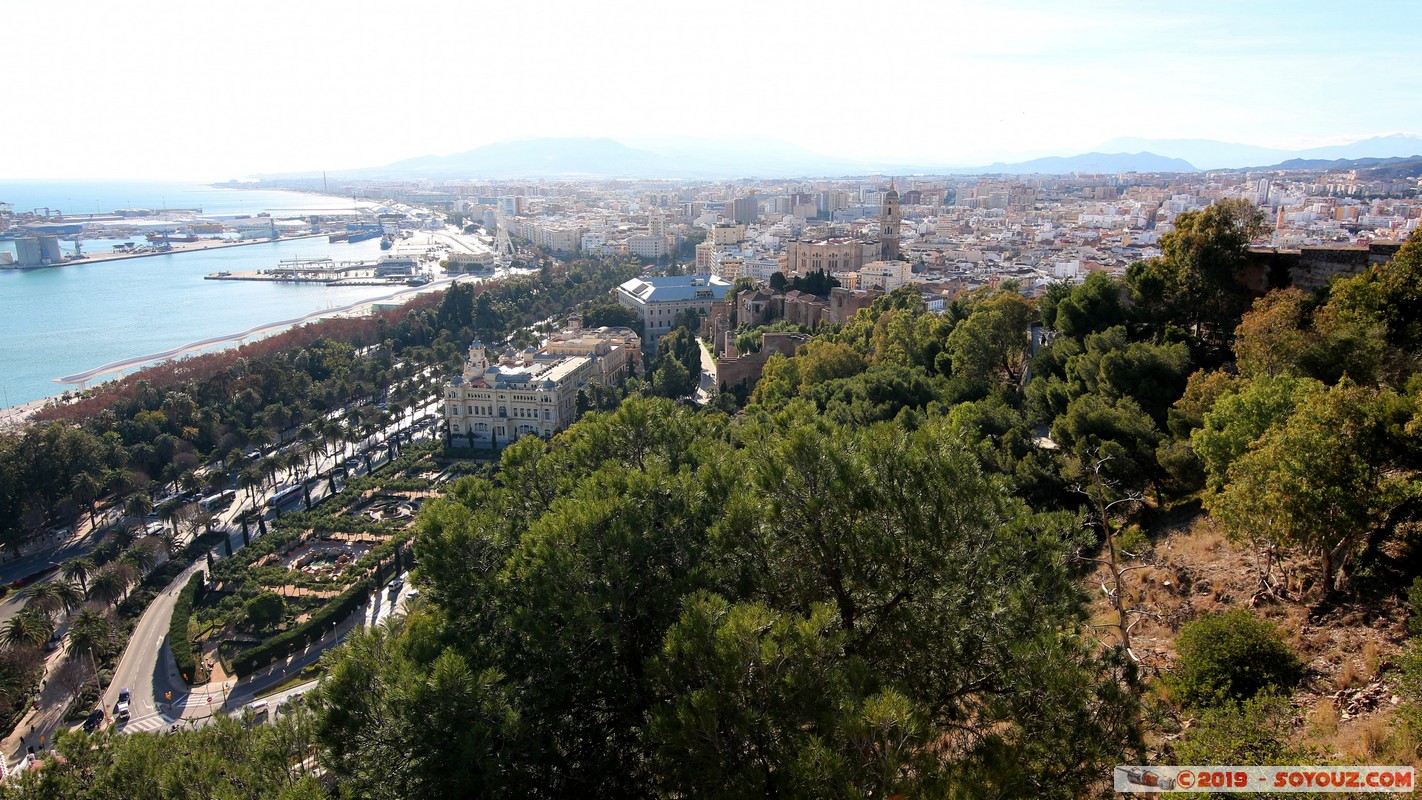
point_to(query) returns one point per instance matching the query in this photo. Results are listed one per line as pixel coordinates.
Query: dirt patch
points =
(1347, 699)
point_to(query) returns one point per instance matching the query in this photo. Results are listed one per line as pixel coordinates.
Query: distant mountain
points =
(583, 157)
(1394, 169)
(1203, 153)
(1375, 147)
(528, 158)
(1211, 154)
(1088, 162)
(1342, 163)
(758, 156)
(762, 157)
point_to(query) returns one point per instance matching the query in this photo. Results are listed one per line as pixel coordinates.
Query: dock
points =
(270, 277)
(176, 248)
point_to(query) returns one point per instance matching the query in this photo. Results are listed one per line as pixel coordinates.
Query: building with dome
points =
(501, 397)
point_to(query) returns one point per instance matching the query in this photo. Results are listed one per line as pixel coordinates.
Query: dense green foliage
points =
(604, 604)
(179, 640)
(1252, 731)
(818, 282)
(159, 427)
(867, 583)
(224, 761)
(1230, 656)
(293, 639)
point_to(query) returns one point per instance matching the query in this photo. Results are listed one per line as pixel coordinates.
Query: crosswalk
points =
(148, 723)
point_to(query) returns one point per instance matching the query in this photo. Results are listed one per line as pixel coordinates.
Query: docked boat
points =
(361, 236)
(338, 237)
(157, 237)
(387, 241)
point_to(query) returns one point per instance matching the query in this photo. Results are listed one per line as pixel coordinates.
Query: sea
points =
(63, 320)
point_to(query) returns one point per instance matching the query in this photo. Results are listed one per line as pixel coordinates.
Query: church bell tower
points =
(889, 218)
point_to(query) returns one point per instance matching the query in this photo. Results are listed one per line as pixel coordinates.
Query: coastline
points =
(16, 417)
(257, 330)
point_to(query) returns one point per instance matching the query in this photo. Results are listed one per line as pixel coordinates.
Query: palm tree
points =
(141, 557)
(27, 628)
(78, 569)
(169, 542)
(90, 632)
(270, 466)
(86, 489)
(52, 597)
(124, 538)
(250, 479)
(109, 584)
(189, 481)
(333, 435)
(137, 507)
(169, 514)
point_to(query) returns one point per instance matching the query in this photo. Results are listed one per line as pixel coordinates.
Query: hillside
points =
(878, 570)
(1347, 705)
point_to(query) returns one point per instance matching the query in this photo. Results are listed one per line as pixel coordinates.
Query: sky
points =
(211, 91)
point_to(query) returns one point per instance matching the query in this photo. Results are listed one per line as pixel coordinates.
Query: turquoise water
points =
(64, 320)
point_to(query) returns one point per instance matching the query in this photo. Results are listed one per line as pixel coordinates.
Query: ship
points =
(168, 236)
(338, 237)
(361, 236)
(387, 241)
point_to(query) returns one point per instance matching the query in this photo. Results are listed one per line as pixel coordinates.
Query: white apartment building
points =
(886, 275)
(647, 246)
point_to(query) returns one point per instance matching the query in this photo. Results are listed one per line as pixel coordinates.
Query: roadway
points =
(147, 667)
(159, 695)
(706, 387)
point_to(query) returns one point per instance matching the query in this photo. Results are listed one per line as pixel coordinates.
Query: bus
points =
(218, 501)
(284, 496)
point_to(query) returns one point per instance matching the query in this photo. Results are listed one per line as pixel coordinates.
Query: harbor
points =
(56, 322)
(140, 285)
(172, 248)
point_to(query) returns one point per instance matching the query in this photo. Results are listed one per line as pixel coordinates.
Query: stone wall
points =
(1311, 268)
(732, 371)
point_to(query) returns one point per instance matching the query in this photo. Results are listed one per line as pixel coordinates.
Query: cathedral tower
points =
(889, 219)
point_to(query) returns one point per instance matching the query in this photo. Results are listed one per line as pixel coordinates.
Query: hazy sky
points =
(141, 88)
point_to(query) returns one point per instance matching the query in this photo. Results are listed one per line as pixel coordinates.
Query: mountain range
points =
(1210, 154)
(726, 158)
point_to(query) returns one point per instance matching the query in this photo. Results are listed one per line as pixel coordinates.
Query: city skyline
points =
(181, 91)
